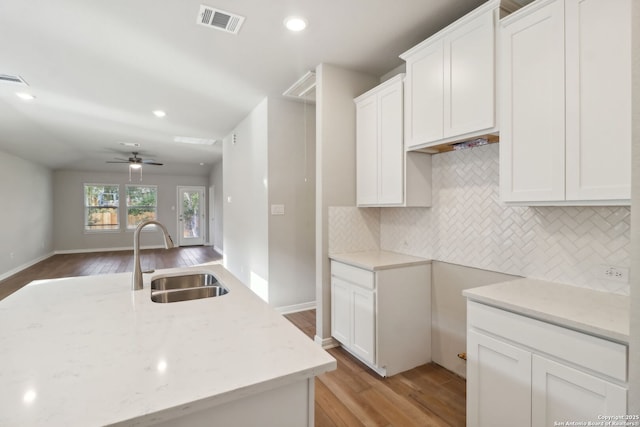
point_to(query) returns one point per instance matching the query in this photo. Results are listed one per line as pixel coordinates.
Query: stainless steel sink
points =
(188, 294)
(186, 287)
(182, 282)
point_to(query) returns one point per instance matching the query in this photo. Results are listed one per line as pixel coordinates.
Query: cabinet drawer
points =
(355, 275)
(597, 354)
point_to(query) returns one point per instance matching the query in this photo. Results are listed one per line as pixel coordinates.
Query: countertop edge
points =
(210, 402)
(550, 316)
(378, 260)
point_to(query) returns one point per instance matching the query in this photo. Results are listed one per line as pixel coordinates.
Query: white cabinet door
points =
(367, 151)
(532, 126)
(598, 61)
(341, 310)
(379, 145)
(469, 77)
(391, 145)
(498, 383)
(450, 87)
(561, 393)
(363, 331)
(424, 95)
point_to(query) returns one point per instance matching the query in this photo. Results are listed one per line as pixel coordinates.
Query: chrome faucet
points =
(137, 270)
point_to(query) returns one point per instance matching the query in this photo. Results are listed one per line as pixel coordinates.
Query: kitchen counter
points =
(597, 313)
(378, 260)
(89, 351)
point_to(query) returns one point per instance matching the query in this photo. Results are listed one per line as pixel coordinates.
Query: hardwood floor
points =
(353, 395)
(86, 264)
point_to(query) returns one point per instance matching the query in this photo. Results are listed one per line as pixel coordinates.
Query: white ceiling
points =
(98, 68)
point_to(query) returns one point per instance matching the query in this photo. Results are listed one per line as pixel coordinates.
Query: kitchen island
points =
(90, 351)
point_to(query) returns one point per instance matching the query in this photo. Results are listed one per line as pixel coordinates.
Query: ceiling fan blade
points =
(151, 162)
(117, 161)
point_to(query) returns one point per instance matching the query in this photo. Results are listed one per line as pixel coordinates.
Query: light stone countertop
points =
(88, 351)
(378, 260)
(597, 313)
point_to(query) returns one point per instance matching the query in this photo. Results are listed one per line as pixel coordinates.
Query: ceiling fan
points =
(135, 162)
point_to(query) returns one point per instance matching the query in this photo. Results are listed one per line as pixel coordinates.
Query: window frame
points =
(86, 207)
(128, 206)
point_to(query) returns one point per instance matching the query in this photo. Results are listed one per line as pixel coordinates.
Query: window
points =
(142, 204)
(101, 203)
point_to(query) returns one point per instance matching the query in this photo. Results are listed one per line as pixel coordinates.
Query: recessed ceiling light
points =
(130, 144)
(159, 113)
(25, 96)
(295, 23)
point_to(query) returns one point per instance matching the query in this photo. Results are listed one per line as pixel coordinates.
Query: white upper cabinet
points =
(450, 84)
(380, 153)
(565, 106)
(385, 176)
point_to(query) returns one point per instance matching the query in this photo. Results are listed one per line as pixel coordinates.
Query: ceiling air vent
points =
(304, 88)
(6, 78)
(219, 19)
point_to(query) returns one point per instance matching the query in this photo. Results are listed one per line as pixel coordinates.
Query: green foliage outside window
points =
(142, 204)
(101, 207)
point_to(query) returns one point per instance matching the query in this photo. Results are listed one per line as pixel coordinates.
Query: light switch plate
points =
(277, 209)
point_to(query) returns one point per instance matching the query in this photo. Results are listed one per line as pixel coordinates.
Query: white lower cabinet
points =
(525, 372)
(564, 393)
(383, 317)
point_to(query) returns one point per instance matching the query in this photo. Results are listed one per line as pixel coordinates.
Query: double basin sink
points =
(186, 287)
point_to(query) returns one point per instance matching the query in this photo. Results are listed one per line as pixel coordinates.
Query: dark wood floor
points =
(353, 395)
(87, 264)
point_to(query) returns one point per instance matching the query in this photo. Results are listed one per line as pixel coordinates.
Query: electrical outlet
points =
(619, 274)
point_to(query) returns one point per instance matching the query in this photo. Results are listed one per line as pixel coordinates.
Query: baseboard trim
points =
(326, 343)
(91, 250)
(25, 266)
(288, 309)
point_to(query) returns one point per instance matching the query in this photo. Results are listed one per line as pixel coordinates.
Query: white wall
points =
(216, 181)
(26, 218)
(68, 209)
(449, 310)
(246, 226)
(292, 184)
(634, 341)
(272, 162)
(335, 167)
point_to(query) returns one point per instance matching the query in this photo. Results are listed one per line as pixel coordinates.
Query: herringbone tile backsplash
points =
(468, 225)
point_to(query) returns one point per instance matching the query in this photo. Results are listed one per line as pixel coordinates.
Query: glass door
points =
(191, 214)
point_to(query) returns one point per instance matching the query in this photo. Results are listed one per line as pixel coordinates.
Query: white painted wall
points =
(26, 218)
(634, 341)
(216, 181)
(272, 156)
(246, 232)
(292, 184)
(68, 209)
(449, 310)
(335, 167)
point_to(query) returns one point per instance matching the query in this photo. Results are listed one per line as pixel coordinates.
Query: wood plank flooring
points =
(353, 395)
(86, 264)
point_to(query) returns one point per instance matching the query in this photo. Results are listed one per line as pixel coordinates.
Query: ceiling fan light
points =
(135, 166)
